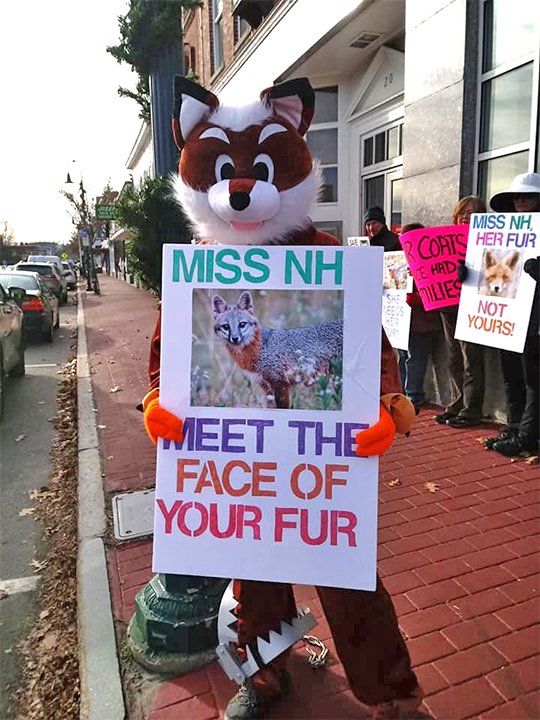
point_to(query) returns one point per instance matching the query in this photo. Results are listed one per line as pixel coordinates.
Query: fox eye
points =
(263, 168)
(242, 324)
(224, 168)
(226, 327)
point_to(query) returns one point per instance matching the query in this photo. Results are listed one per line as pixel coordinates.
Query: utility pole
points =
(174, 628)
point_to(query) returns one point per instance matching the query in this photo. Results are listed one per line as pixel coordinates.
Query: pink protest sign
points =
(432, 255)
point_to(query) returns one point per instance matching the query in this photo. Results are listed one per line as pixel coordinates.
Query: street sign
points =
(105, 212)
(64, 256)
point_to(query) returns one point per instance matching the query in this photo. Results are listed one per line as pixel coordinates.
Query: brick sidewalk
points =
(461, 562)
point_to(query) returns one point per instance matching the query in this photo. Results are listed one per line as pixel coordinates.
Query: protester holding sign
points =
(465, 359)
(424, 325)
(520, 370)
(247, 178)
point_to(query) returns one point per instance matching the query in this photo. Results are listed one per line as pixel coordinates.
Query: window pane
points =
(374, 192)
(218, 45)
(508, 30)
(329, 187)
(368, 151)
(380, 147)
(396, 199)
(506, 109)
(326, 109)
(332, 227)
(323, 145)
(393, 143)
(497, 174)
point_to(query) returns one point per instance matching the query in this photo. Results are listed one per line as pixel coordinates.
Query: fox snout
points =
(240, 193)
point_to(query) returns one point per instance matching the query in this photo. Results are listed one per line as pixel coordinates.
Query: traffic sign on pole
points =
(105, 212)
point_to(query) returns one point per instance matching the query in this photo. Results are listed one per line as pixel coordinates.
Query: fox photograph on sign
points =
(259, 348)
(273, 369)
(497, 295)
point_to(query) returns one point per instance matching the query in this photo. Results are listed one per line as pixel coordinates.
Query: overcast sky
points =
(59, 103)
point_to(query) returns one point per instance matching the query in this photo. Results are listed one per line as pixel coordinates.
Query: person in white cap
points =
(520, 371)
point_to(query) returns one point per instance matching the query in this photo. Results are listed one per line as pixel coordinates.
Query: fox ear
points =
(192, 105)
(294, 101)
(219, 305)
(489, 259)
(512, 260)
(245, 302)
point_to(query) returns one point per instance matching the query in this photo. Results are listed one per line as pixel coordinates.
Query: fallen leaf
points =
(115, 389)
(38, 565)
(43, 614)
(431, 486)
(19, 438)
(532, 460)
(27, 511)
(41, 402)
(395, 482)
(101, 427)
(480, 440)
(110, 457)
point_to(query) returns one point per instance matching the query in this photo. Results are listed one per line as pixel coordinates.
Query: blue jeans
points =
(420, 348)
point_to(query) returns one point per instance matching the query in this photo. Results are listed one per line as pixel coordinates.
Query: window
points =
(217, 34)
(241, 28)
(383, 146)
(508, 97)
(322, 139)
(333, 228)
(252, 11)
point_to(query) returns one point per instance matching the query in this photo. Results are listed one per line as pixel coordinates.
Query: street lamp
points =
(84, 231)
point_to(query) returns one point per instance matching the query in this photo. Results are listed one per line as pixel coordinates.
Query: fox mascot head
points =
(246, 175)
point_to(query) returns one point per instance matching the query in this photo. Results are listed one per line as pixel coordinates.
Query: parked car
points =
(69, 274)
(46, 259)
(50, 274)
(40, 306)
(11, 340)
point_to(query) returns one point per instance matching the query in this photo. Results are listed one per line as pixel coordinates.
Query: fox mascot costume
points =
(246, 176)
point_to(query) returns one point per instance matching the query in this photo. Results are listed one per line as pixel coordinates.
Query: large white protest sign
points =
(396, 313)
(497, 296)
(272, 358)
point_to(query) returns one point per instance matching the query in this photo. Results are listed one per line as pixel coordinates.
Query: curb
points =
(101, 686)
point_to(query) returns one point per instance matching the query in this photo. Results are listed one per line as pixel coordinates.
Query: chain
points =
(316, 659)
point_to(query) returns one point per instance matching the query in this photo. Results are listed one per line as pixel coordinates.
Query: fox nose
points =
(235, 340)
(239, 200)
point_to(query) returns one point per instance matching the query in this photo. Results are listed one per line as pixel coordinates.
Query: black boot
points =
(505, 434)
(515, 445)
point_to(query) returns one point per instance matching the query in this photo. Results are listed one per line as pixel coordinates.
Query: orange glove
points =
(160, 423)
(397, 414)
(377, 439)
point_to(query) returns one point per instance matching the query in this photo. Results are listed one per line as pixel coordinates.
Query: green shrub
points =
(154, 218)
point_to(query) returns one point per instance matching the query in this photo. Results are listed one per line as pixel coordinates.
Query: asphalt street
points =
(25, 437)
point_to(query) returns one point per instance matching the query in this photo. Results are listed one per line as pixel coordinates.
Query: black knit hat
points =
(375, 213)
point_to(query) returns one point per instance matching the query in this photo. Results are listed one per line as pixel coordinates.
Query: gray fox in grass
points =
(276, 358)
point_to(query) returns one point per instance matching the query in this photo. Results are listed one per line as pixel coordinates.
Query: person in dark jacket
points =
(378, 233)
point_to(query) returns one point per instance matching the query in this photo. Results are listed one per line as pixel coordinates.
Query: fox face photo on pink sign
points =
(266, 482)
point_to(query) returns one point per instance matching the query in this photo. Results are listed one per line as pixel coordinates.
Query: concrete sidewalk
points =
(458, 550)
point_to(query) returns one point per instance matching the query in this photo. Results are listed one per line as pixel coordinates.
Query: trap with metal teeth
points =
(277, 641)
